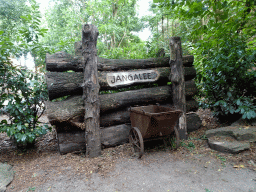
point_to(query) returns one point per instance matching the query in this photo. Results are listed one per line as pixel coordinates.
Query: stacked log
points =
(61, 61)
(68, 115)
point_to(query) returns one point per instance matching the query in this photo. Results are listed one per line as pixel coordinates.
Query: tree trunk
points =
(178, 83)
(62, 84)
(62, 61)
(91, 91)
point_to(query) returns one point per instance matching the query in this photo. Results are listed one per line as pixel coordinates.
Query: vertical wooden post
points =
(178, 84)
(91, 91)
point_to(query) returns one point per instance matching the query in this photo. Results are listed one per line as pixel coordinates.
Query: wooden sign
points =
(130, 77)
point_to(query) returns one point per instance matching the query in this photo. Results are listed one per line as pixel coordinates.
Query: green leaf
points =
(23, 138)
(4, 121)
(19, 127)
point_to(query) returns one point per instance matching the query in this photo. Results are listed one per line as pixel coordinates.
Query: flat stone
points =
(239, 132)
(6, 176)
(227, 146)
(241, 135)
(251, 122)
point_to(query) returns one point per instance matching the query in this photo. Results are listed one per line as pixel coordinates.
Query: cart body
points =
(153, 120)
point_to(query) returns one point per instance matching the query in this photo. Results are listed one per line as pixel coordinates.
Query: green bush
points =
(25, 93)
(227, 79)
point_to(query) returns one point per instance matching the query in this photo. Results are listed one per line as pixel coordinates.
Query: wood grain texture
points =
(91, 90)
(62, 84)
(178, 83)
(62, 61)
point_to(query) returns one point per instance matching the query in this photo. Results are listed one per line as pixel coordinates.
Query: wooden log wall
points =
(68, 115)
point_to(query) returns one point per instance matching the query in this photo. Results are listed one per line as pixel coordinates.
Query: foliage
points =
(25, 93)
(23, 90)
(20, 23)
(115, 20)
(134, 51)
(228, 80)
(221, 36)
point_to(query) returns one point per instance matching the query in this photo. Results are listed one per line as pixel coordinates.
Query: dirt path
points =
(193, 167)
(160, 172)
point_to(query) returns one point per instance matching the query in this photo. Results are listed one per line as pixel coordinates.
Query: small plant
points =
(191, 145)
(31, 189)
(223, 159)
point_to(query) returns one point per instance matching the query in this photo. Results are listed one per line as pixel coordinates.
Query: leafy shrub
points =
(227, 79)
(25, 93)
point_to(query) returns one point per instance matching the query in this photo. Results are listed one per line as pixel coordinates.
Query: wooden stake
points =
(178, 84)
(91, 91)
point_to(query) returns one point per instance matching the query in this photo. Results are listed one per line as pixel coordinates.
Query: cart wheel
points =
(177, 137)
(135, 138)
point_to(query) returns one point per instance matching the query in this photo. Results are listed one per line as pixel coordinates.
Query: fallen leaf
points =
(238, 166)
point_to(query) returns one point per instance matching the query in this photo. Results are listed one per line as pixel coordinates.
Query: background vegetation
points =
(221, 34)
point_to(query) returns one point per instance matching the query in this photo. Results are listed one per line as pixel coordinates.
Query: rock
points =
(227, 146)
(243, 122)
(240, 133)
(6, 176)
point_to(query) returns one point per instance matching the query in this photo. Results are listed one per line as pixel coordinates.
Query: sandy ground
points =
(193, 167)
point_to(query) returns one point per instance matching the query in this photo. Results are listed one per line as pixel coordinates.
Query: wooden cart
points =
(151, 122)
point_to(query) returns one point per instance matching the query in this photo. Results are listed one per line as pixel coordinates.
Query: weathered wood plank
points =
(91, 90)
(62, 61)
(178, 83)
(62, 84)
